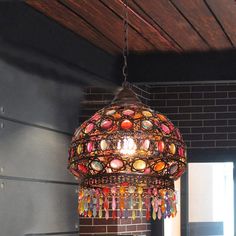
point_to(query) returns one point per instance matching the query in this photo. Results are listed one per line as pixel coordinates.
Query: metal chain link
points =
(125, 48)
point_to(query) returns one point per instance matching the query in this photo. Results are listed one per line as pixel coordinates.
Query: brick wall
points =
(205, 114)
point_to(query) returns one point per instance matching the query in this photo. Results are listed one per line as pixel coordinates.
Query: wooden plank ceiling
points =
(154, 25)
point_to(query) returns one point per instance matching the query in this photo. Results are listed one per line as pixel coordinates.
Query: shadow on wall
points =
(191, 66)
(47, 67)
(29, 30)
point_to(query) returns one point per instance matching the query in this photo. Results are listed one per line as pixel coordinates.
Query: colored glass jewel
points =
(126, 124)
(162, 117)
(103, 145)
(160, 146)
(147, 171)
(110, 112)
(181, 151)
(128, 112)
(96, 117)
(82, 168)
(116, 164)
(90, 146)
(131, 154)
(117, 116)
(79, 149)
(159, 166)
(145, 144)
(96, 165)
(173, 168)
(146, 124)
(172, 148)
(171, 126)
(178, 135)
(137, 116)
(139, 165)
(106, 124)
(89, 128)
(165, 129)
(147, 113)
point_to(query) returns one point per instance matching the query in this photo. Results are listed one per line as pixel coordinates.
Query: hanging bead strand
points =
(100, 205)
(106, 202)
(131, 191)
(140, 202)
(113, 205)
(148, 204)
(122, 203)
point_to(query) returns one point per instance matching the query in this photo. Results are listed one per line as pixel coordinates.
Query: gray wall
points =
(37, 118)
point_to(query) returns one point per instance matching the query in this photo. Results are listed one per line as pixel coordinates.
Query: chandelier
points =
(127, 157)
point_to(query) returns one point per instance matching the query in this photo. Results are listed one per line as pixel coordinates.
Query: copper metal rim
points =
(126, 180)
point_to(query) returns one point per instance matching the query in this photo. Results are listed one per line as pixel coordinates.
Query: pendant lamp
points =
(126, 158)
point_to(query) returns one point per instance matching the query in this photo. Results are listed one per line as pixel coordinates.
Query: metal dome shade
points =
(127, 153)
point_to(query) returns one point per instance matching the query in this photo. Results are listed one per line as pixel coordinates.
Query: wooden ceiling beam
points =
(70, 20)
(203, 21)
(174, 23)
(224, 12)
(111, 24)
(143, 27)
(145, 16)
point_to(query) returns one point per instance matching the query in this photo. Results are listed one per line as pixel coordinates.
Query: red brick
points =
(136, 221)
(131, 228)
(141, 227)
(125, 221)
(85, 221)
(103, 221)
(112, 228)
(92, 229)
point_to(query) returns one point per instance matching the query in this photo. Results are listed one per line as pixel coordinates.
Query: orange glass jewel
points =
(126, 124)
(159, 166)
(162, 117)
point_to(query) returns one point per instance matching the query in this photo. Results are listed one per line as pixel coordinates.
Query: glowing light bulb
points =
(127, 146)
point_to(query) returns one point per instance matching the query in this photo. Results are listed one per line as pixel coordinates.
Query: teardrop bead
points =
(159, 213)
(133, 215)
(154, 215)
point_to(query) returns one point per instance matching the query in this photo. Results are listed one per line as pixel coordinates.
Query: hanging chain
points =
(125, 48)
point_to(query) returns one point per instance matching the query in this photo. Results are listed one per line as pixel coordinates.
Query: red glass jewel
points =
(95, 117)
(165, 128)
(181, 151)
(171, 126)
(89, 128)
(177, 133)
(82, 168)
(161, 146)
